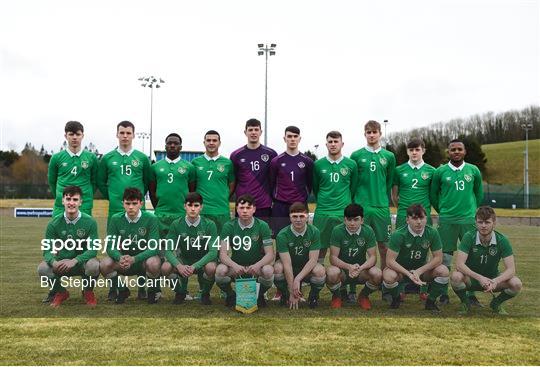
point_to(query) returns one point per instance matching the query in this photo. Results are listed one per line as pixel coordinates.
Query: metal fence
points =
(497, 196)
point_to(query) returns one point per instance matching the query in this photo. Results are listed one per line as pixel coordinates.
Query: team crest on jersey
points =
(425, 245)
(141, 231)
(493, 251)
(122, 231)
(265, 157)
(383, 161)
(344, 171)
(307, 243)
(135, 163)
(408, 245)
(468, 178)
(360, 241)
(84, 164)
(64, 164)
(255, 237)
(81, 232)
(301, 164)
(181, 170)
(425, 176)
(220, 167)
(63, 233)
(200, 233)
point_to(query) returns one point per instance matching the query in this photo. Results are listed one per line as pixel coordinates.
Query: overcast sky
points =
(338, 64)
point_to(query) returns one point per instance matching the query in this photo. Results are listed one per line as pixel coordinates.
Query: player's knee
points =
(332, 274)
(278, 267)
(166, 268)
(153, 265)
(210, 269)
(267, 271)
(222, 270)
(389, 276)
(456, 277)
(441, 271)
(91, 268)
(375, 274)
(106, 266)
(515, 284)
(45, 270)
(318, 271)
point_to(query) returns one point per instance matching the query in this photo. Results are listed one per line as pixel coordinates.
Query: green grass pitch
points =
(140, 334)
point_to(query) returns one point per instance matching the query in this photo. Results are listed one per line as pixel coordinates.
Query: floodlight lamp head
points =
(260, 45)
(272, 53)
(260, 53)
(273, 45)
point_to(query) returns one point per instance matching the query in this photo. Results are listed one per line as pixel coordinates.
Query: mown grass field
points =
(140, 334)
(505, 162)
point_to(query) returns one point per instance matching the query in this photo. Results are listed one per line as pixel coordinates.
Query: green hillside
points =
(506, 160)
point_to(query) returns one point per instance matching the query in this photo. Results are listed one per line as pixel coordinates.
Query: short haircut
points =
(298, 207)
(416, 211)
(456, 141)
(372, 125)
(334, 134)
(485, 212)
(245, 199)
(174, 134)
(193, 197)
(125, 124)
(132, 193)
(353, 211)
(72, 191)
(415, 143)
(212, 132)
(292, 129)
(253, 123)
(73, 127)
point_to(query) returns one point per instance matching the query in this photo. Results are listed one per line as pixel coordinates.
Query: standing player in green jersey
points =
(192, 248)
(477, 264)
(250, 241)
(334, 184)
(122, 168)
(298, 246)
(412, 182)
(73, 167)
(353, 257)
(456, 192)
(170, 181)
(73, 225)
(407, 258)
(376, 167)
(215, 180)
(119, 169)
(140, 257)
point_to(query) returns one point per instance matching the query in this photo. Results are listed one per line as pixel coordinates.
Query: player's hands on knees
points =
(126, 261)
(297, 288)
(64, 266)
(354, 270)
(491, 286)
(183, 270)
(293, 302)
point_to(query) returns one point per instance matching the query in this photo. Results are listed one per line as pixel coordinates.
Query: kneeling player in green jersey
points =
(407, 257)
(353, 257)
(298, 246)
(134, 248)
(477, 264)
(192, 248)
(72, 226)
(456, 192)
(250, 240)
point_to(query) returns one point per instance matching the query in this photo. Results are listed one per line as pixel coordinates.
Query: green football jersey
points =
(375, 175)
(192, 244)
(68, 169)
(172, 179)
(334, 184)
(118, 171)
(414, 186)
(484, 260)
(298, 245)
(353, 246)
(456, 193)
(143, 233)
(213, 178)
(60, 228)
(246, 243)
(413, 249)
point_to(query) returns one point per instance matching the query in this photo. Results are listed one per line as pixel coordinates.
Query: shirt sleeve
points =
(335, 238)
(50, 234)
(390, 172)
(478, 187)
(354, 179)
(436, 244)
(90, 253)
(315, 180)
(102, 178)
(370, 237)
(146, 174)
(112, 250)
(395, 242)
(266, 234)
(172, 240)
(153, 234)
(506, 248)
(192, 175)
(52, 175)
(281, 243)
(309, 175)
(434, 190)
(316, 244)
(467, 241)
(212, 253)
(94, 172)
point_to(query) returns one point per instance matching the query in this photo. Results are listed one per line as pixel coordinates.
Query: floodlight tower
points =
(151, 82)
(264, 49)
(526, 126)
